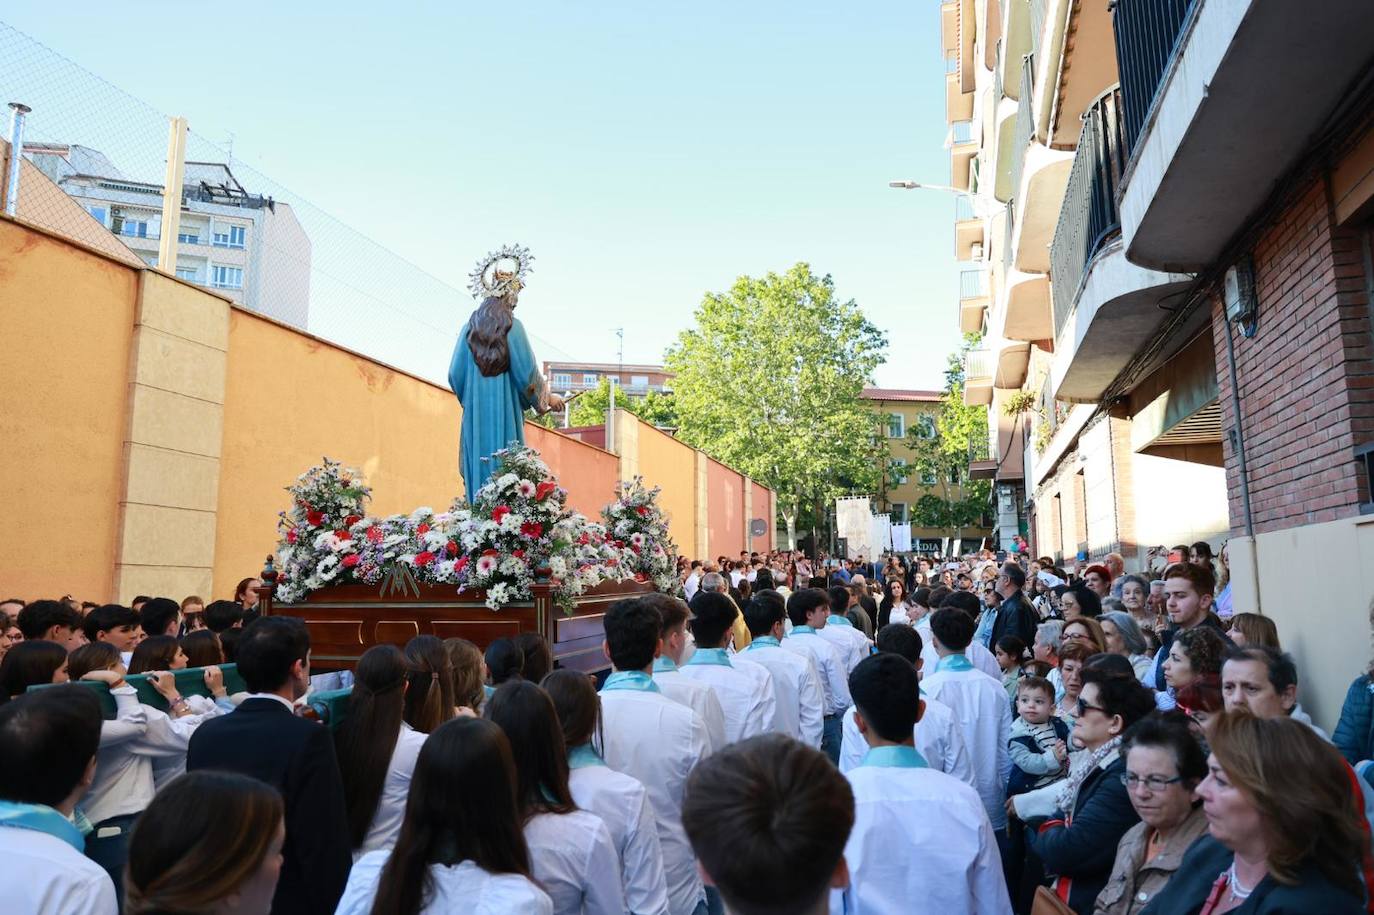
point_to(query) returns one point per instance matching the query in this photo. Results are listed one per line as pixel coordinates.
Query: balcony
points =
(1219, 100)
(999, 123)
(958, 103)
(1039, 177)
(973, 300)
(1105, 308)
(963, 149)
(980, 367)
(968, 230)
(949, 27)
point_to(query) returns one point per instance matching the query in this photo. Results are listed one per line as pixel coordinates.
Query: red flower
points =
(343, 535)
(643, 511)
(422, 529)
(499, 512)
(640, 576)
(532, 529)
(350, 561)
(352, 520)
(451, 548)
(518, 554)
(424, 559)
(584, 539)
(315, 518)
(491, 553)
(374, 534)
(543, 491)
(461, 564)
(291, 535)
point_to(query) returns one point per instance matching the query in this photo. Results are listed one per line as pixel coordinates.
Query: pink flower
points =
(374, 534)
(499, 512)
(349, 561)
(291, 535)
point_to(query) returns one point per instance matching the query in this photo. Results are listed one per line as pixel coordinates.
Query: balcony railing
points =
(963, 208)
(952, 63)
(979, 365)
(1089, 215)
(961, 132)
(1037, 23)
(1147, 34)
(972, 284)
(1025, 122)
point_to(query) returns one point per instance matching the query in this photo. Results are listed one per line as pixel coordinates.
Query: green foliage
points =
(768, 380)
(1018, 403)
(960, 431)
(589, 407)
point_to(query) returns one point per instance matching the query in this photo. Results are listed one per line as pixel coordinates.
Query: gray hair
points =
(1138, 580)
(1051, 633)
(713, 581)
(1129, 629)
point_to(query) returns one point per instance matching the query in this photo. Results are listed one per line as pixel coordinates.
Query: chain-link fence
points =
(241, 233)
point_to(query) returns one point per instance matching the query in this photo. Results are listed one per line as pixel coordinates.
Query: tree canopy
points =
(961, 432)
(769, 380)
(589, 407)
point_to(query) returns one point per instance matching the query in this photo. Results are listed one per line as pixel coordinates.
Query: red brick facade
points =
(1305, 379)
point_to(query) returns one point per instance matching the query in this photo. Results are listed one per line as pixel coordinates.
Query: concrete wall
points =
(668, 463)
(726, 527)
(68, 326)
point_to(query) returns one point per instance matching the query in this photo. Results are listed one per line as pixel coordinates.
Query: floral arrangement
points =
(639, 527)
(518, 532)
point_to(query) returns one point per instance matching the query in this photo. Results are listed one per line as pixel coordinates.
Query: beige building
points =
(586, 376)
(245, 246)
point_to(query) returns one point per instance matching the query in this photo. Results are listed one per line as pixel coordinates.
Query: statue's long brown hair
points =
(487, 329)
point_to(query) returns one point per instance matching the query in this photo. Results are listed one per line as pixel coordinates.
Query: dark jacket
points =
(1204, 861)
(1020, 782)
(262, 739)
(1085, 851)
(1015, 616)
(1354, 735)
(1166, 640)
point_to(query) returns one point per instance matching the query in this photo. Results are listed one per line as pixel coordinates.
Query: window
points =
(925, 425)
(150, 259)
(134, 228)
(591, 379)
(954, 475)
(562, 380)
(191, 237)
(232, 238)
(221, 239)
(190, 274)
(896, 425)
(898, 513)
(226, 277)
(927, 478)
(898, 472)
(99, 214)
(639, 381)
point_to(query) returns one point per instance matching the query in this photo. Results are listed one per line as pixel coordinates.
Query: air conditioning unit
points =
(976, 251)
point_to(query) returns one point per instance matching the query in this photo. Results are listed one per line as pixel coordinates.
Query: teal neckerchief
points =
(803, 630)
(895, 758)
(715, 656)
(41, 818)
(631, 679)
(839, 621)
(664, 664)
(764, 641)
(953, 662)
(488, 691)
(583, 757)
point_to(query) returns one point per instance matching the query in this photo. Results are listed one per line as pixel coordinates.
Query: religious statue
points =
(494, 372)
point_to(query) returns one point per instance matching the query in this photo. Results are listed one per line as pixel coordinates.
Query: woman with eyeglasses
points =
(1077, 845)
(1164, 764)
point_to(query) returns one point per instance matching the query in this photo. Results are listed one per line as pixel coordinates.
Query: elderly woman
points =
(1048, 641)
(1071, 660)
(1164, 763)
(1123, 637)
(1135, 594)
(1275, 844)
(1093, 810)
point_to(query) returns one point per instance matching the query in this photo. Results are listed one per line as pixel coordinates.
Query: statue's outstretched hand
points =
(555, 401)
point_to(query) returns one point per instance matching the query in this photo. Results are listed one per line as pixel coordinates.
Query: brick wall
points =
(1305, 379)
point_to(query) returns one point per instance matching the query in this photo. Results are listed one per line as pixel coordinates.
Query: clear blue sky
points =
(646, 152)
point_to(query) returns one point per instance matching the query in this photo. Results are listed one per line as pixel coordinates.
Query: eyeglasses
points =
(1154, 782)
(1084, 708)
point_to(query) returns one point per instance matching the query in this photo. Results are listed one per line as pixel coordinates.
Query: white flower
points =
(486, 565)
(511, 522)
(525, 488)
(507, 480)
(513, 565)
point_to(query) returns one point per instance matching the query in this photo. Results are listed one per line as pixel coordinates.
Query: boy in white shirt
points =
(745, 689)
(50, 740)
(807, 610)
(800, 699)
(853, 645)
(650, 737)
(921, 840)
(768, 818)
(697, 696)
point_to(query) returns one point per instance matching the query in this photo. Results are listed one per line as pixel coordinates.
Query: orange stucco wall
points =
(68, 319)
(726, 527)
(588, 473)
(669, 464)
(762, 507)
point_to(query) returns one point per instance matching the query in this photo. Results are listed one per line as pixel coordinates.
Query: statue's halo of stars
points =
(491, 278)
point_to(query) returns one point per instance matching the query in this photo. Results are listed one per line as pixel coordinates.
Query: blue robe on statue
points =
(493, 407)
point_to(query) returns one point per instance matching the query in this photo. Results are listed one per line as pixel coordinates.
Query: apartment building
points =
(1169, 240)
(901, 413)
(635, 380)
(246, 246)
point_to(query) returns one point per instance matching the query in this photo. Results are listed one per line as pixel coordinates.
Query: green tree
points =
(589, 407)
(960, 431)
(768, 380)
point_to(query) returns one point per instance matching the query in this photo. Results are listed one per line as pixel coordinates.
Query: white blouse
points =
(391, 806)
(573, 858)
(623, 805)
(462, 887)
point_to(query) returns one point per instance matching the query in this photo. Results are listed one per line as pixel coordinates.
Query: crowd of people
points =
(784, 735)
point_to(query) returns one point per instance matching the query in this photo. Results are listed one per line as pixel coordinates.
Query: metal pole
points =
(17, 112)
(171, 197)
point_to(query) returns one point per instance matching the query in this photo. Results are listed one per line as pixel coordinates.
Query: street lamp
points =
(909, 185)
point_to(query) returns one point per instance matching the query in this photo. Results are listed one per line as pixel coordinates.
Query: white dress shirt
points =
(921, 842)
(697, 696)
(658, 741)
(391, 806)
(851, 642)
(938, 736)
(976, 652)
(575, 862)
(745, 691)
(690, 586)
(462, 887)
(46, 876)
(980, 705)
(124, 771)
(801, 701)
(623, 805)
(829, 663)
